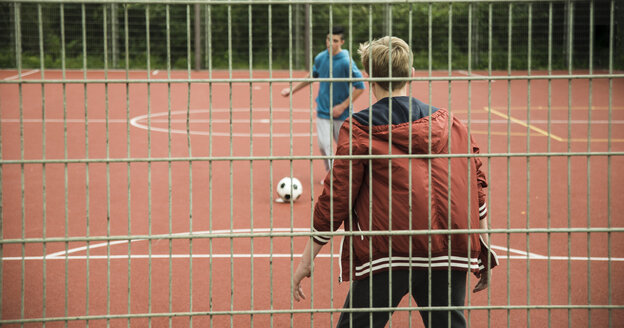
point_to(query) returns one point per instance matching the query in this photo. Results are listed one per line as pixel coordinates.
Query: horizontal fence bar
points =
(208, 235)
(295, 80)
(307, 311)
(307, 157)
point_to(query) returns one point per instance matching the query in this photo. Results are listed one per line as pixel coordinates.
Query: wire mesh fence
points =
(140, 142)
(246, 16)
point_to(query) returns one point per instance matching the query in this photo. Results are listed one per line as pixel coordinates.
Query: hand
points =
(338, 110)
(302, 272)
(285, 92)
(483, 281)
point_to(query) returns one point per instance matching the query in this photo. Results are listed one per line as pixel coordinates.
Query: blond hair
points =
(376, 57)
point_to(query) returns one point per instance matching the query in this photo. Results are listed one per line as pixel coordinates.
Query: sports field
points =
(145, 198)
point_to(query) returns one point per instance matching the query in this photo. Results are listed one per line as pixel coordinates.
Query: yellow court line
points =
(563, 108)
(530, 126)
(494, 133)
(595, 140)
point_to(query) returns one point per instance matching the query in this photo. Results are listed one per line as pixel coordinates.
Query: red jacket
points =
(436, 203)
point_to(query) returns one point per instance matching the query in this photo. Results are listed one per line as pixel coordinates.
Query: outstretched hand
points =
(483, 281)
(303, 271)
(285, 92)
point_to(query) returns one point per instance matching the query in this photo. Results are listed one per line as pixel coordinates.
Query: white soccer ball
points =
(288, 189)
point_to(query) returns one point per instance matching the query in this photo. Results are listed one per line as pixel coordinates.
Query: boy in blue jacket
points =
(338, 109)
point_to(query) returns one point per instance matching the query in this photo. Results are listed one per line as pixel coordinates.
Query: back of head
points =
(385, 56)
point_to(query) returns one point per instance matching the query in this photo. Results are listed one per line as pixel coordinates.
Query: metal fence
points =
(71, 62)
(242, 18)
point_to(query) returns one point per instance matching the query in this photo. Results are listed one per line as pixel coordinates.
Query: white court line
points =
(59, 120)
(278, 121)
(13, 77)
(463, 72)
(137, 122)
(64, 254)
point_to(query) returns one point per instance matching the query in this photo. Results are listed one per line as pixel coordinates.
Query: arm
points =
(484, 276)
(483, 224)
(288, 91)
(340, 108)
(305, 268)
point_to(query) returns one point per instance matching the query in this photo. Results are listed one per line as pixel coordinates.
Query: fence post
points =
(197, 37)
(114, 32)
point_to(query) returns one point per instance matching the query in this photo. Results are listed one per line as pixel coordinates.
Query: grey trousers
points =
(324, 135)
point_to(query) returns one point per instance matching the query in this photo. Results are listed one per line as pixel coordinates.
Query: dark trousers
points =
(380, 298)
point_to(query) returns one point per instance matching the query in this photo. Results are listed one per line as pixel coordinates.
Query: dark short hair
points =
(338, 30)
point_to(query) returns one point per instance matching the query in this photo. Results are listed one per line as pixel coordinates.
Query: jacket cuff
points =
(320, 239)
(487, 257)
(483, 211)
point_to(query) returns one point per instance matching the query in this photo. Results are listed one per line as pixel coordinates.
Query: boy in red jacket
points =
(408, 196)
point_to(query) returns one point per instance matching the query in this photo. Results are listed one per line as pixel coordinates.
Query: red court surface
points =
(554, 278)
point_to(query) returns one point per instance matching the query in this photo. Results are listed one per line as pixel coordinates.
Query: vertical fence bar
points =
(197, 35)
(350, 109)
(18, 59)
(469, 177)
(449, 200)
(114, 41)
(231, 163)
(128, 154)
(331, 169)
(149, 164)
(350, 195)
(410, 163)
(251, 162)
(528, 160)
(509, 38)
(86, 127)
(210, 152)
(429, 146)
(370, 152)
(389, 16)
(609, 135)
(290, 134)
(309, 65)
(271, 212)
(570, 20)
(190, 154)
(589, 140)
(528, 163)
(65, 166)
(43, 166)
(489, 147)
(549, 163)
(169, 173)
(2, 214)
(106, 123)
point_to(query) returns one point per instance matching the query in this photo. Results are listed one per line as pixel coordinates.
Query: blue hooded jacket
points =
(341, 63)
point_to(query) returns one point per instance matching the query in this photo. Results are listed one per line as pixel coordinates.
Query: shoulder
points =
(321, 55)
(344, 57)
